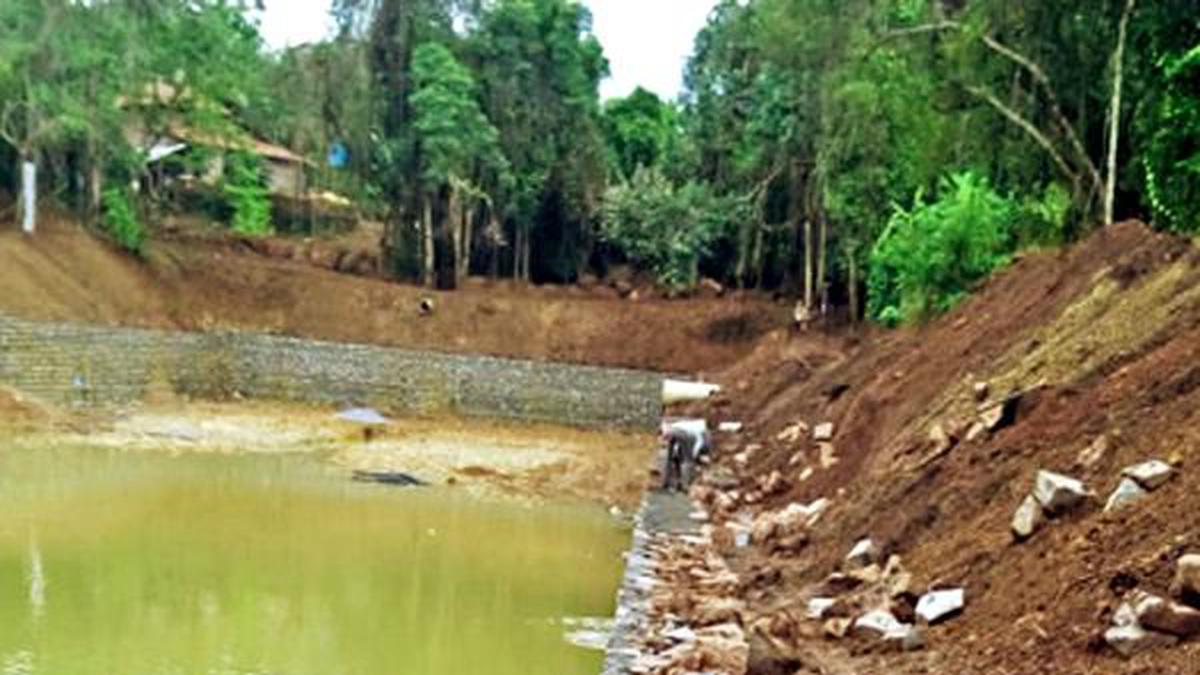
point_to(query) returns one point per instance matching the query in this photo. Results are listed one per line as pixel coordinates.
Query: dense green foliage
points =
(1172, 158)
(884, 155)
(245, 189)
(663, 228)
(121, 221)
(929, 255)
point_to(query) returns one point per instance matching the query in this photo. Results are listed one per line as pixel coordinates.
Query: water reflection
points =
(278, 565)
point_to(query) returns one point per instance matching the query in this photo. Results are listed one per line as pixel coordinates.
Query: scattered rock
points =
(908, 639)
(1092, 455)
(1187, 579)
(819, 607)
(1150, 475)
(1165, 616)
(1128, 641)
(1058, 493)
(997, 416)
(976, 431)
(823, 433)
(897, 579)
(937, 606)
(828, 456)
(942, 442)
(793, 433)
(870, 575)
(877, 624)
(837, 629)
(1027, 519)
(1126, 494)
(864, 553)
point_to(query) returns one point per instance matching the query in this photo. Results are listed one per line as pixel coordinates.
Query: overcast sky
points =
(647, 41)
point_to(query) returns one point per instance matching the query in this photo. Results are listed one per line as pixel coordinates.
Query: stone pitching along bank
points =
(80, 365)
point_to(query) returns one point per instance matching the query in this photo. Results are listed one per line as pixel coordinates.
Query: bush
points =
(121, 221)
(929, 257)
(664, 228)
(246, 192)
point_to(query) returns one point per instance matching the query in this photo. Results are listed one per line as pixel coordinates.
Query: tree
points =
(641, 130)
(456, 144)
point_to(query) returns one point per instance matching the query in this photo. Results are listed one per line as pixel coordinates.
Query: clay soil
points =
(1102, 341)
(195, 279)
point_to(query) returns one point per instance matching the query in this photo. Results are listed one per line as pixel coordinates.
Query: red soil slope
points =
(202, 283)
(1103, 340)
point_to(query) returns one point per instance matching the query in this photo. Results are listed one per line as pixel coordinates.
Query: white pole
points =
(29, 198)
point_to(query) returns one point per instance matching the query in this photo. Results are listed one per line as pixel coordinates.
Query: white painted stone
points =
(1126, 494)
(1150, 475)
(1128, 641)
(823, 433)
(941, 605)
(864, 553)
(1027, 519)
(1058, 493)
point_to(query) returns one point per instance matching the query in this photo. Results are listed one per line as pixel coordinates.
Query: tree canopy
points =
(882, 156)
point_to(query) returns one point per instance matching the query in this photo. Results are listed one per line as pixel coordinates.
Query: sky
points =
(647, 41)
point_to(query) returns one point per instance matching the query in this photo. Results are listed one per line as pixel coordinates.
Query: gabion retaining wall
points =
(80, 365)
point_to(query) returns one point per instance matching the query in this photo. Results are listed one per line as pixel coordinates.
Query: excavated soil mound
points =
(193, 282)
(1098, 346)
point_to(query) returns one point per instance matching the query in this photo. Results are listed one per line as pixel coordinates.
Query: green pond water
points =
(115, 563)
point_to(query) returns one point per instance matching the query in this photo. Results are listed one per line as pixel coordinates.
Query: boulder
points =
(1129, 641)
(941, 441)
(1187, 579)
(1126, 494)
(1150, 475)
(1058, 493)
(823, 433)
(982, 389)
(1027, 519)
(1164, 616)
(864, 553)
(937, 606)
(975, 432)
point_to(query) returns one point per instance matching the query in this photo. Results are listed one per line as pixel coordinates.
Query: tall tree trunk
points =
(453, 213)
(808, 262)
(466, 221)
(1114, 114)
(427, 250)
(822, 260)
(852, 273)
(518, 248)
(756, 259)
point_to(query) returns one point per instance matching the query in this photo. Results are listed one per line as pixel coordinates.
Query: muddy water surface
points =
(128, 563)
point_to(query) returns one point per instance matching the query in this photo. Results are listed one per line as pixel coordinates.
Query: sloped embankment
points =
(1097, 348)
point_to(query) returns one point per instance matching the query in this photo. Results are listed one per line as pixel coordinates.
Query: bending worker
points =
(687, 446)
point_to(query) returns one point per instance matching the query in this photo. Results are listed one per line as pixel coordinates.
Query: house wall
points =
(285, 179)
